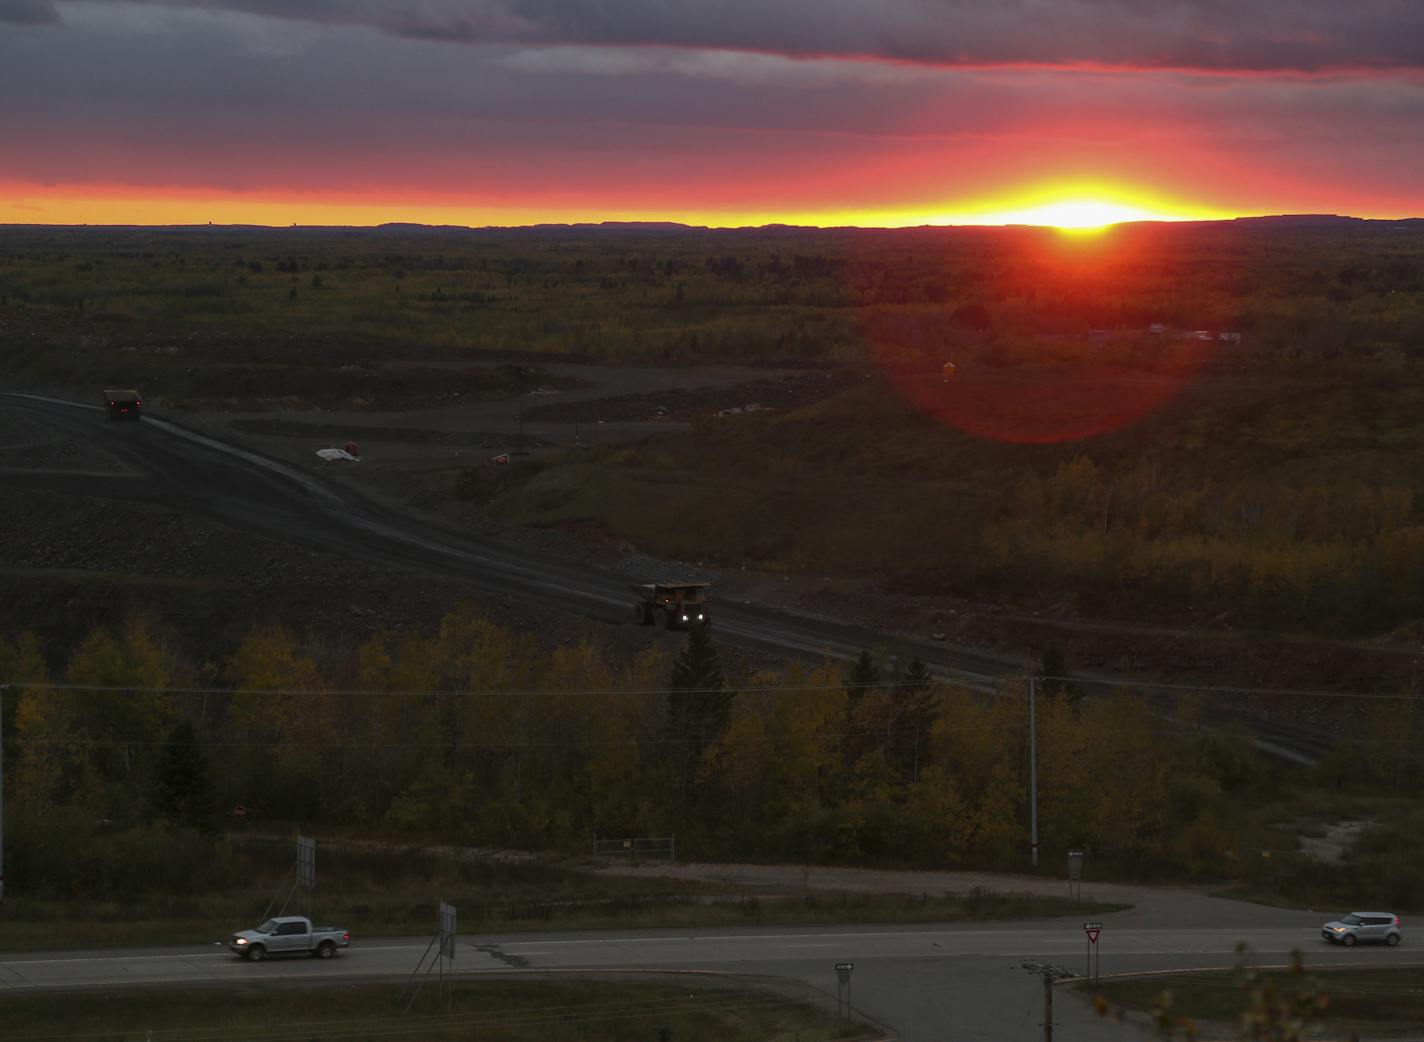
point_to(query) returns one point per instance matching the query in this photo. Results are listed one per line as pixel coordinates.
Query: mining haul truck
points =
(123, 404)
(672, 606)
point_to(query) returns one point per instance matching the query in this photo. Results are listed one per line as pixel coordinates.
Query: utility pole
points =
(1032, 772)
(1047, 1007)
(1049, 973)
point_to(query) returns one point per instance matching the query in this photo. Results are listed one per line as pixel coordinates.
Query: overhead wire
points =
(889, 685)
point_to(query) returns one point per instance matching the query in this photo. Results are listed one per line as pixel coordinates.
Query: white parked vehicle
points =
(289, 935)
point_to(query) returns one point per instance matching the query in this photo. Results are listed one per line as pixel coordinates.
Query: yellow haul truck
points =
(672, 606)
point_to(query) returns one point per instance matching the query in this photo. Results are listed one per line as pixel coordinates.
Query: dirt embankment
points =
(71, 560)
(69, 563)
(788, 391)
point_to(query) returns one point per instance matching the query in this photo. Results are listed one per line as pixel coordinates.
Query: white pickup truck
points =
(289, 935)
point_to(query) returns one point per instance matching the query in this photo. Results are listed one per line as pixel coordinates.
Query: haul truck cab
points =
(672, 606)
(123, 405)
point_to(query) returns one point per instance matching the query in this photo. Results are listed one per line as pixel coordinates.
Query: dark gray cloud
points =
(163, 95)
(1209, 35)
(28, 12)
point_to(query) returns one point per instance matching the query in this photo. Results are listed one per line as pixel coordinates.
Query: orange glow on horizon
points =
(1083, 206)
(1072, 206)
(1077, 206)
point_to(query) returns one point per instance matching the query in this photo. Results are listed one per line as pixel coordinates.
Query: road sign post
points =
(1032, 772)
(843, 971)
(1075, 874)
(1092, 931)
(443, 945)
(306, 867)
(447, 950)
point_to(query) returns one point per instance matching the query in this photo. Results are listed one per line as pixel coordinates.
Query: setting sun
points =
(1077, 207)
(1085, 215)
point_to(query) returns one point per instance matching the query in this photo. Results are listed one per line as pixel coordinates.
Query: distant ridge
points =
(1306, 219)
(1301, 220)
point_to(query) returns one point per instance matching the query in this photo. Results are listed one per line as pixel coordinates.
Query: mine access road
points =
(170, 464)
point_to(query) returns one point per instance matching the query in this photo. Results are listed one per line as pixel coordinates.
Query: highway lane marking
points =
(111, 958)
(812, 940)
(12, 962)
(1076, 936)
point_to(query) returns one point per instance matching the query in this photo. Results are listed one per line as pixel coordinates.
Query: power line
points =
(1231, 689)
(471, 746)
(881, 685)
(479, 692)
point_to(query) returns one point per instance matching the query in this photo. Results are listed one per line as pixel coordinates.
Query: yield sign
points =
(1093, 936)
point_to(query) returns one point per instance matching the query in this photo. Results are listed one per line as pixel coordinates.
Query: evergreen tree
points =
(697, 667)
(917, 678)
(864, 675)
(184, 787)
(1054, 673)
(698, 708)
(915, 717)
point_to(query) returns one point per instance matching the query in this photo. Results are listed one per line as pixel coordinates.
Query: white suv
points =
(1360, 927)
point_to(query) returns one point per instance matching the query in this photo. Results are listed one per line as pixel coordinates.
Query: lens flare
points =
(1031, 343)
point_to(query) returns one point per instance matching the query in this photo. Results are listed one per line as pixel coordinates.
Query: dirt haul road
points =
(162, 462)
(166, 463)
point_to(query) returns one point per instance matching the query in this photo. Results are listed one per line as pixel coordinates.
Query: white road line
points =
(713, 937)
(114, 958)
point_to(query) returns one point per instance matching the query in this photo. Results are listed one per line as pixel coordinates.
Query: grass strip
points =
(1379, 1000)
(568, 1010)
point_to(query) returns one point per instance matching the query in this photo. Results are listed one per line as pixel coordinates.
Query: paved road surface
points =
(927, 983)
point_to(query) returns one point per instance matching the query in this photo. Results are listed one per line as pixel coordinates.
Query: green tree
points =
(697, 667)
(698, 707)
(1053, 670)
(915, 716)
(863, 677)
(118, 709)
(184, 788)
(917, 677)
(864, 673)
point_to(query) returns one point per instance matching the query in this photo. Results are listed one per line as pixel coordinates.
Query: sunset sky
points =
(721, 112)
